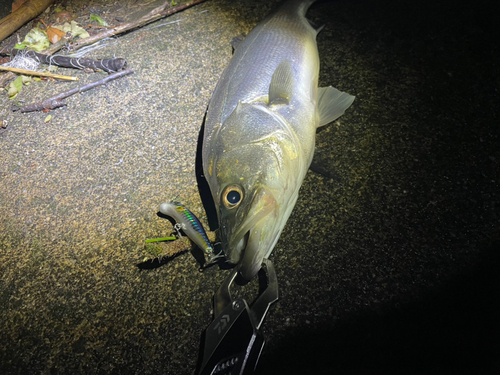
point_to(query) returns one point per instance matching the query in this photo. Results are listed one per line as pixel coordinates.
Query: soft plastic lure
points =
(189, 223)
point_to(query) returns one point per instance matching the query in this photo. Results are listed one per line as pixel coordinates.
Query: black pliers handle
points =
(232, 343)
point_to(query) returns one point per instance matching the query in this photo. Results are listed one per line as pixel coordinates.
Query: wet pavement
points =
(388, 263)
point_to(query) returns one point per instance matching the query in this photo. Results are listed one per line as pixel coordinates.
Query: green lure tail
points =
(161, 239)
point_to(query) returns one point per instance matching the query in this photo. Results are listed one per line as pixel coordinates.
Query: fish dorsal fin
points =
(280, 88)
(332, 104)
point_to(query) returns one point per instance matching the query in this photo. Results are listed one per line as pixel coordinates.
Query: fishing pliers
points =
(232, 343)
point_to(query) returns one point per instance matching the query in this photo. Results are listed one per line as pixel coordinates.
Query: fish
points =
(260, 130)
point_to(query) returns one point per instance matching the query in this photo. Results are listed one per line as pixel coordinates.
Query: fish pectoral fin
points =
(332, 104)
(281, 86)
(237, 40)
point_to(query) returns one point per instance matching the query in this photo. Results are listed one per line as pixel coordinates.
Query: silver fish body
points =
(260, 132)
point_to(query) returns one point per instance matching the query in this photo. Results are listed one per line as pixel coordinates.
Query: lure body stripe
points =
(189, 224)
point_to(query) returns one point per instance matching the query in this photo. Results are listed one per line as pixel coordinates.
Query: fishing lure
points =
(189, 223)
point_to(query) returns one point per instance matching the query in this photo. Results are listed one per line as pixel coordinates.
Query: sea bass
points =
(260, 132)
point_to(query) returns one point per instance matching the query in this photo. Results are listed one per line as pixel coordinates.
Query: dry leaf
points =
(74, 29)
(16, 4)
(54, 34)
(63, 16)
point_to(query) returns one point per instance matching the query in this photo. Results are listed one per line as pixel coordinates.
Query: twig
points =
(108, 65)
(35, 73)
(56, 101)
(154, 15)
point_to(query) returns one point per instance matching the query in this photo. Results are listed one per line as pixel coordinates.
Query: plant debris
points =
(107, 65)
(36, 40)
(56, 101)
(74, 28)
(156, 14)
(98, 19)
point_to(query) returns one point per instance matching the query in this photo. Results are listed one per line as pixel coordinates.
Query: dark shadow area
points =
(160, 261)
(323, 166)
(203, 187)
(452, 330)
(5, 8)
(162, 216)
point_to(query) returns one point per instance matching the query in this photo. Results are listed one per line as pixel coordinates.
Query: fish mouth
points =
(251, 241)
(254, 252)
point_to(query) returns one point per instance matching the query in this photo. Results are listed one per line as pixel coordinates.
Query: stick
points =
(108, 65)
(34, 73)
(154, 15)
(56, 101)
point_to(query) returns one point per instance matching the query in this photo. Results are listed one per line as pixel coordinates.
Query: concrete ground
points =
(388, 263)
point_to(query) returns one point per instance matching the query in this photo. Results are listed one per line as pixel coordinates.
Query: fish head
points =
(251, 173)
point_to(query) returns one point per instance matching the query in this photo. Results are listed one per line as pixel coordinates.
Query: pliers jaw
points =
(232, 343)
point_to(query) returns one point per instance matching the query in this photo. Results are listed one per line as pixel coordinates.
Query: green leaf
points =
(48, 118)
(173, 3)
(98, 19)
(18, 83)
(15, 87)
(36, 39)
(74, 29)
(20, 46)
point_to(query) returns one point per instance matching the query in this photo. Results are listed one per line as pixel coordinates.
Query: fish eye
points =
(232, 196)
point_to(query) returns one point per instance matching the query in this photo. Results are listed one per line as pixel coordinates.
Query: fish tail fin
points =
(332, 104)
